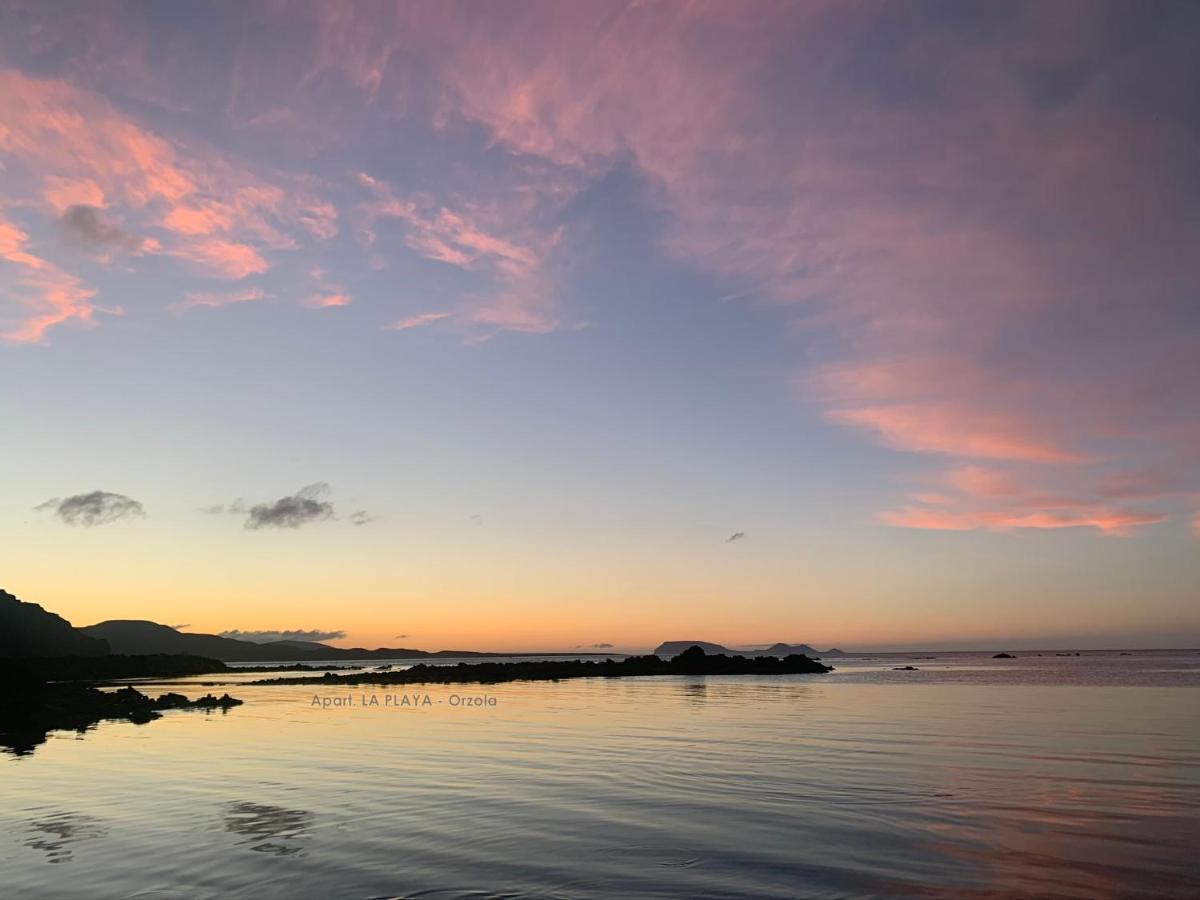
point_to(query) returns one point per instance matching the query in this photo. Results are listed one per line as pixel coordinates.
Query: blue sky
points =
(552, 304)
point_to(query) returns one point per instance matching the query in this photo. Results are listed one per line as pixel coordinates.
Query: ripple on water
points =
(56, 834)
(269, 829)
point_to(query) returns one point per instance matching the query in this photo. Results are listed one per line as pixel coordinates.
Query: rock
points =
(29, 715)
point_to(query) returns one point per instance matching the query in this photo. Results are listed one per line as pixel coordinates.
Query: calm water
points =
(971, 777)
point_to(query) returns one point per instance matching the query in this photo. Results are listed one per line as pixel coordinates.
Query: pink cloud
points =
(1108, 521)
(952, 430)
(979, 223)
(324, 301)
(214, 299)
(43, 295)
(62, 193)
(67, 146)
(223, 258)
(417, 321)
(981, 482)
(523, 299)
(327, 295)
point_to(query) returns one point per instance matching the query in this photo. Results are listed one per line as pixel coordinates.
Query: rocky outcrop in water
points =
(693, 661)
(29, 713)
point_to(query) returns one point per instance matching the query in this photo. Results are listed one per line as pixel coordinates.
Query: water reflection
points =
(269, 829)
(695, 693)
(55, 834)
(671, 787)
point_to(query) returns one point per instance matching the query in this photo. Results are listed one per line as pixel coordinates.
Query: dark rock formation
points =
(28, 714)
(1003, 656)
(668, 649)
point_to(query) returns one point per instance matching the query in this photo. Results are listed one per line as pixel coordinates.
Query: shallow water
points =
(970, 777)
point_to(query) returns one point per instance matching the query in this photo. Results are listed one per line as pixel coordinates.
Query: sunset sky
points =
(523, 326)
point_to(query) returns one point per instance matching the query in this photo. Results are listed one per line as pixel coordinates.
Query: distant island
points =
(669, 649)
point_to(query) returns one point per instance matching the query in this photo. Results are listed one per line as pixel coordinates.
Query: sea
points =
(1050, 775)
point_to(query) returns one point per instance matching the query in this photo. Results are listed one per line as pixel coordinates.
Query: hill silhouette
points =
(26, 629)
(139, 636)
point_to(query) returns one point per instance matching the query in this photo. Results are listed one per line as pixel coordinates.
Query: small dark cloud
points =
(401, 635)
(362, 517)
(293, 511)
(265, 637)
(96, 508)
(476, 519)
(600, 646)
(736, 536)
(85, 225)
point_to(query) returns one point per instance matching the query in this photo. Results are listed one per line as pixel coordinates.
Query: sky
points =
(544, 325)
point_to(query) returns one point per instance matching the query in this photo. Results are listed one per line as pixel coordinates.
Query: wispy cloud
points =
(1108, 521)
(468, 236)
(236, 508)
(736, 536)
(95, 508)
(327, 300)
(41, 295)
(213, 299)
(360, 517)
(326, 294)
(417, 321)
(409, 322)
